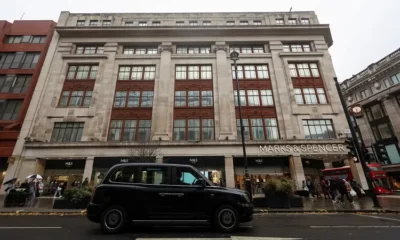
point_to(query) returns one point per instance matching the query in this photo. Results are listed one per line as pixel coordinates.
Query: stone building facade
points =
(376, 89)
(112, 81)
(23, 48)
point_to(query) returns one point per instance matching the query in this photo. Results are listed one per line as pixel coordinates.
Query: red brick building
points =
(23, 48)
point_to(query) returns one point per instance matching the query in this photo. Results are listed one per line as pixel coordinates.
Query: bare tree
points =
(145, 151)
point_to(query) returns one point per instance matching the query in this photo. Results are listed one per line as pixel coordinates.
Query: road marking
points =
(385, 218)
(30, 227)
(354, 226)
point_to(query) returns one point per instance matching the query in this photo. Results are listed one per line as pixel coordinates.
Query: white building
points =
(110, 79)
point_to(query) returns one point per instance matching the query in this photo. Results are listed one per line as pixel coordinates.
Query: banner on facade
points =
(303, 148)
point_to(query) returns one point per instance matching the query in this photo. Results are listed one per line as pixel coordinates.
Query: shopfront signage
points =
(124, 160)
(69, 164)
(193, 160)
(259, 161)
(304, 148)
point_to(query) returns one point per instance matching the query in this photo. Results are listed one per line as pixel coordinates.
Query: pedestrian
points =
(333, 190)
(25, 185)
(31, 193)
(305, 188)
(310, 186)
(325, 189)
(85, 182)
(356, 187)
(318, 188)
(344, 189)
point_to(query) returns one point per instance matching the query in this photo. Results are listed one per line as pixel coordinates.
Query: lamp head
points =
(234, 56)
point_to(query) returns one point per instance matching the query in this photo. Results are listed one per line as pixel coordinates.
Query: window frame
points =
(76, 72)
(331, 135)
(244, 72)
(98, 49)
(123, 127)
(230, 23)
(16, 109)
(279, 21)
(257, 22)
(305, 21)
(200, 128)
(106, 23)
(155, 23)
(241, 47)
(291, 47)
(15, 79)
(316, 93)
(80, 23)
(142, 23)
(143, 72)
(206, 23)
(79, 131)
(187, 98)
(247, 99)
(149, 50)
(179, 23)
(93, 23)
(308, 67)
(84, 96)
(199, 72)
(290, 21)
(247, 123)
(200, 49)
(243, 23)
(140, 102)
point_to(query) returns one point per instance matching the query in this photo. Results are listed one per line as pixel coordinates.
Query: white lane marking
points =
(354, 226)
(385, 218)
(30, 227)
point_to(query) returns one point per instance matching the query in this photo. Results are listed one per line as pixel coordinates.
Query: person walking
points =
(31, 193)
(333, 190)
(310, 186)
(344, 189)
(318, 188)
(325, 190)
(356, 187)
(85, 183)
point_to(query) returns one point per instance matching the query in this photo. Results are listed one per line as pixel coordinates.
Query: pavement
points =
(389, 204)
(263, 227)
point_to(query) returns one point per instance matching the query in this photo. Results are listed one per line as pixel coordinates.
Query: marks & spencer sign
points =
(304, 148)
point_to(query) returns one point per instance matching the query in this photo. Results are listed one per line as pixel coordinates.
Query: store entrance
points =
(65, 174)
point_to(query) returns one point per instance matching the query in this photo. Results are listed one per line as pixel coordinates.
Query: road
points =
(279, 226)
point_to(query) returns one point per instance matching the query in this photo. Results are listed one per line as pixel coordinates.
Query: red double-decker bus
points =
(380, 180)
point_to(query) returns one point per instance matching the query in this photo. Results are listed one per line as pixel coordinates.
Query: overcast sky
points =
(364, 31)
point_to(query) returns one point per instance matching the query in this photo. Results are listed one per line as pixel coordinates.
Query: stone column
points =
(365, 130)
(297, 171)
(87, 172)
(282, 86)
(358, 173)
(163, 102)
(224, 107)
(393, 114)
(229, 172)
(40, 166)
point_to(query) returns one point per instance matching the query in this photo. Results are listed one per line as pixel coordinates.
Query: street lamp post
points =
(234, 57)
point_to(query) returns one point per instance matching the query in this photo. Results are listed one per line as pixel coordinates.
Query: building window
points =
(297, 47)
(193, 72)
(257, 22)
(318, 129)
(382, 131)
(89, 50)
(193, 23)
(395, 78)
(356, 97)
(82, 72)
(155, 23)
(67, 132)
(129, 130)
(248, 49)
(9, 109)
(25, 39)
(375, 112)
(193, 49)
(259, 129)
(244, 23)
(75, 99)
(80, 23)
(387, 82)
(364, 93)
(279, 21)
(305, 21)
(230, 23)
(14, 83)
(310, 96)
(304, 70)
(254, 98)
(180, 23)
(133, 99)
(142, 24)
(137, 73)
(17, 60)
(93, 23)
(106, 22)
(206, 23)
(251, 72)
(292, 21)
(193, 129)
(140, 50)
(194, 98)
(129, 23)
